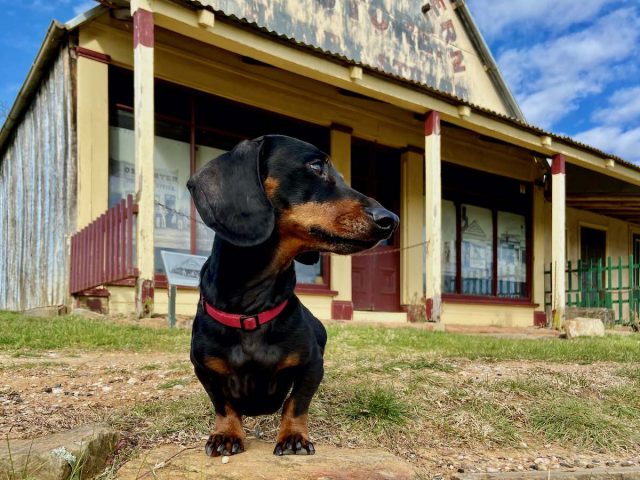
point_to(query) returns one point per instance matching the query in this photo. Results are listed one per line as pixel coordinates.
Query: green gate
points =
(596, 284)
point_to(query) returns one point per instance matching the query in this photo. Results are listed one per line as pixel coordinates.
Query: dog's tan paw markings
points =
(222, 444)
(294, 445)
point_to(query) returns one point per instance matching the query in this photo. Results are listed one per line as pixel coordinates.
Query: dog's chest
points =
(252, 351)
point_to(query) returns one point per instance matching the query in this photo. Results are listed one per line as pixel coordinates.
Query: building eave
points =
(490, 64)
(53, 39)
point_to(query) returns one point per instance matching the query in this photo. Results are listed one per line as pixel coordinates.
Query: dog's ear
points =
(308, 258)
(230, 198)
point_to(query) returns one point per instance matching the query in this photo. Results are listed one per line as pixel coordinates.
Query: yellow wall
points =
(412, 228)
(504, 316)
(319, 305)
(186, 301)
(213, 70)
(619, 238)
(92, 137)
(122, 300)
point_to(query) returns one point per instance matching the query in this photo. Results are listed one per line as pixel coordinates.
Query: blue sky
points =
(573, 65)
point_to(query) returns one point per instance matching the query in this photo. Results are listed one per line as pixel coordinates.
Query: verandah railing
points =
(103, 251)
(599, 284)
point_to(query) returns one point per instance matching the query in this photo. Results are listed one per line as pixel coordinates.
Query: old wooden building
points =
(126, 101)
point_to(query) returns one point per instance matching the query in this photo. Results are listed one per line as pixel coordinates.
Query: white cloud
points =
(615, 140)
(550, 78)
(624, 106)
(83, 7)
(496, 16)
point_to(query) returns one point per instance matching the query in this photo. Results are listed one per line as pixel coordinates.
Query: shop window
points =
(191, 129)
(485, 235)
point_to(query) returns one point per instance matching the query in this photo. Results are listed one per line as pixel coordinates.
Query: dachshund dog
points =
(255, 348)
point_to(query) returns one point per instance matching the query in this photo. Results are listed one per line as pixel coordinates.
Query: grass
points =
(572, 421)
(379, 407)
(614, 348)
(172, 383)
(25, 337)
(386, 386)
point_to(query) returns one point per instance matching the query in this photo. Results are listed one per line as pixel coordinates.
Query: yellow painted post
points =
(433, 218)
(93, 135)
(143, 57)
(558, 240)
(411, 224)
(342, 305)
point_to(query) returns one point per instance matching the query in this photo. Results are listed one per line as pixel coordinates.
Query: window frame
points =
(228, 137)
(494, 206)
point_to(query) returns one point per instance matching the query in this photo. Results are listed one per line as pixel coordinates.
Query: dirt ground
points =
(53, 392)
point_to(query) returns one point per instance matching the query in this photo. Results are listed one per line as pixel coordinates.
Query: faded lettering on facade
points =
(391, 35)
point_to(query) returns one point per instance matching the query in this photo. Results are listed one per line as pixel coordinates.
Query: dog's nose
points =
(383, 218)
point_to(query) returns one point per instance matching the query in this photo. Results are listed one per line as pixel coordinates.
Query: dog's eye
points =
(317, 166)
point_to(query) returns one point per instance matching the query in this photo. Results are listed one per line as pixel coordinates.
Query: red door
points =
(375, 171)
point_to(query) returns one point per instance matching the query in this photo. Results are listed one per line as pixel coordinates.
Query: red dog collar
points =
(244, 322)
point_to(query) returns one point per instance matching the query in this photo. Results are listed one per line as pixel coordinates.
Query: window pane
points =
(204, 235)
(172, 170)
(512, 255)
(477, 250)
(309, 274)
(173, 202)
(121, 164)
(448, 246)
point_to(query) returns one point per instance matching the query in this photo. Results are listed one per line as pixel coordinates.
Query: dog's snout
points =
(383, 218)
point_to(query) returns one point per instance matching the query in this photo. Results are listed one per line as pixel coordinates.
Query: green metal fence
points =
(600, 284)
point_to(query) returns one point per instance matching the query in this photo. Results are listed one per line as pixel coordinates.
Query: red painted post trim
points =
(429, 308)
(93, 55)
(143, 29)
(129, 234)
(341, 310)
(432, 124)
(558, 164)
(123, 238)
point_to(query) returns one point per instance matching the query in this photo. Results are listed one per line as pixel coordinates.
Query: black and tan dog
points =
(255, 346)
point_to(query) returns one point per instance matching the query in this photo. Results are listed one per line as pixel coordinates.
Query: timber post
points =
(433, 218)
(558, 240)
(144, 116)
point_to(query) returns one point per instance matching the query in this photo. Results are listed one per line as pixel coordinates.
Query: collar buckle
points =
(249, 322)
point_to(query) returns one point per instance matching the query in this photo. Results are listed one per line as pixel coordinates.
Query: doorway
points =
(375, 171)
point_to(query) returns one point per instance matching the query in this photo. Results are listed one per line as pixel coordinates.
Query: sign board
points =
(182, 269)
(392, 35)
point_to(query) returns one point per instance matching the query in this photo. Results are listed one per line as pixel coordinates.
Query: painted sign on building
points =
(391, 35)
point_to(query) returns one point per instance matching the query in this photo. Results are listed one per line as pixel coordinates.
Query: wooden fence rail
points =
(599, 284)
(103, 251)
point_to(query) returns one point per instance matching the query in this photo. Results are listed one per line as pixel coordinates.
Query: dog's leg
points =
(228, 436)
(293, 437)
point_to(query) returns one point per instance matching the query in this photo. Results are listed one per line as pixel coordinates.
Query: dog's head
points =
(278, 182)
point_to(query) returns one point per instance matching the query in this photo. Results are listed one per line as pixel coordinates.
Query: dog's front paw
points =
(223, 444)
(294, 444)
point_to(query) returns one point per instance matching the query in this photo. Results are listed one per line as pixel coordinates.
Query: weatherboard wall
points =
(38, 197)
